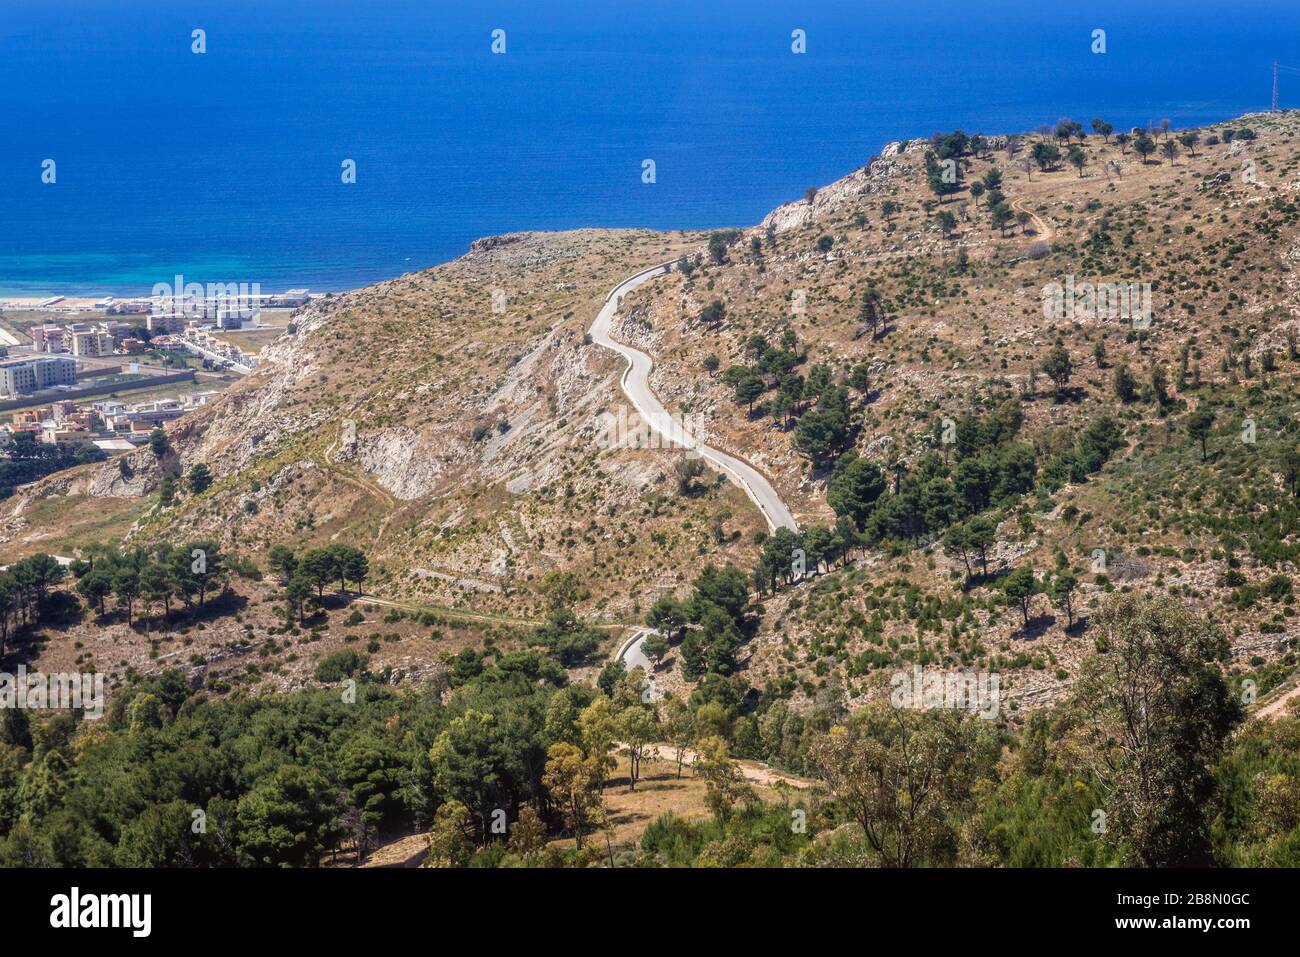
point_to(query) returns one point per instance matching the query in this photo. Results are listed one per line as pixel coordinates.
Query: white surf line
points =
(636, 385)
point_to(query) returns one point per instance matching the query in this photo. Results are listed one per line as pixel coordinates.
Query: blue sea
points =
(226, 166)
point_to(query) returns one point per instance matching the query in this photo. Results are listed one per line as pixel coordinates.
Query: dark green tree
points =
(1199, 425)
(1019, 588)
(200, 479)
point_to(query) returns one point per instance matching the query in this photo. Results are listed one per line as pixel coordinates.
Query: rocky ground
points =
(449, 420)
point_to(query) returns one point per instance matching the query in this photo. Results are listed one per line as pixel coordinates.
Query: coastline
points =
(80, 301)
(24, 297)
(63, 303)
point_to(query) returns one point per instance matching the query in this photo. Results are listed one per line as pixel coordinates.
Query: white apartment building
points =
(85, 339)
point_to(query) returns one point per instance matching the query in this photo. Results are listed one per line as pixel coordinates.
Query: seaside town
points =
(65, 362)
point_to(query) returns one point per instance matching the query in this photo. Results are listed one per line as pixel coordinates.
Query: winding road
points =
(636, 385)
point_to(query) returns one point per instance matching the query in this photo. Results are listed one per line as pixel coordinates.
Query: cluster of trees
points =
(944, 494)
(1067, 128)
(1046, 155)
(24, 589)
(819, 406)
(146, 578)
(25, 459)
(175, 778)
(1139, 741)
(987, 468)
(154, 576)
(511, 760)
(1144, 746)
(944, 161)
(307, 575)
(719, 242)
(1090, 450)
(956, 144)
(972, 538)
(944, 176)
(827, 429)
(1144, 142)
(1019, 587)
(770, 366)
(981, 469)
(788, 557)
(709, 626)
(1155, 390)
(945, 169)
(566, 638)
(1054, 144)
(560, 642)
(942, 788)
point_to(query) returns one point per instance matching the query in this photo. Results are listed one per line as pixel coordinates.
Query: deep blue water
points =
(225, 167)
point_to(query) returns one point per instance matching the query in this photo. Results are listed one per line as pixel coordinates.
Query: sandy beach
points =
(67, 302)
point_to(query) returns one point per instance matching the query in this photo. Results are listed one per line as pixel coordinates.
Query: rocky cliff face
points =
(873, 178)
(128, 476)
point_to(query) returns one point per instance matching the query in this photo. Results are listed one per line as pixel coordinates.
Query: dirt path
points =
(372, 487)
(1042, 229)
(756, 772)
(1278, 709)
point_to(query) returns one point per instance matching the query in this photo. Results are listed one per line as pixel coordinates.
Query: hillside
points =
(964, 339)
(455, 436)
(458, 444)
(387, 623)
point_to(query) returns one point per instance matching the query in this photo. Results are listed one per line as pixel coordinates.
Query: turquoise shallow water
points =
(225, 167)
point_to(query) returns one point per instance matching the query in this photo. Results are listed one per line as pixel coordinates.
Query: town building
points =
(47, 338)
(166, 323)
(291, 298)
(133, 307)
(89, 340)
(24, 376)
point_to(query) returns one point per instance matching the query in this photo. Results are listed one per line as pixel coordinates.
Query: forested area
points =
(516, 756)
(952, 494)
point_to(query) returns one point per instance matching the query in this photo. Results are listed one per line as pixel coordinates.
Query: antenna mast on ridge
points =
(1276, 68)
